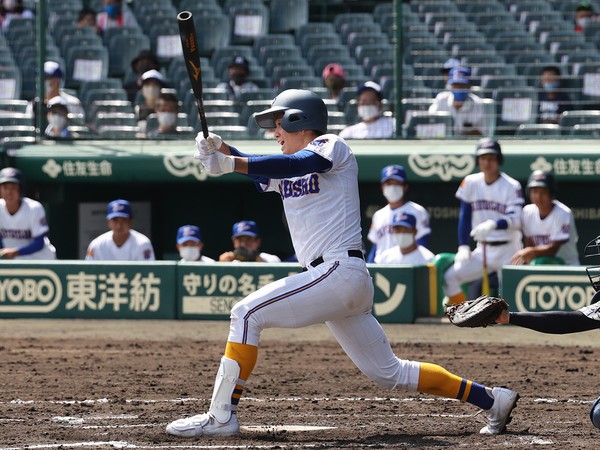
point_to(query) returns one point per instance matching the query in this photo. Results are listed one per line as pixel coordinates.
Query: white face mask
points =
(393, 193)
(166, 119)
(404, 240)
(368, 112)
(151, 92)
(57, 121)
(190, 253)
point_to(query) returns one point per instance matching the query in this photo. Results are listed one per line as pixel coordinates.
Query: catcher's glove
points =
(481, 312)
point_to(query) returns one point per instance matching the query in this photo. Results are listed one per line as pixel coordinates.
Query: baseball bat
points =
(187, 32)
(485, 282)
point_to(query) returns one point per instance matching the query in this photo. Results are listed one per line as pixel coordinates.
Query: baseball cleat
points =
(203, 425)
(498, 415)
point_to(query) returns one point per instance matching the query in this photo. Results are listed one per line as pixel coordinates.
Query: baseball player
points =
(121, 243)
(491, 203)
(548, 225)
(314, 172)
(23, 226)
(246, 245)
(394, 185)
(190, 245)
(406, 250)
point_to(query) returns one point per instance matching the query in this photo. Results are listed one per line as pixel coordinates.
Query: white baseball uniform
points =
(18, 230)
(137, 247)
(339, 290)
(382, 128)
(381, 233)
(503, 199)
(421, 255)
(558, 226)
(471, 116)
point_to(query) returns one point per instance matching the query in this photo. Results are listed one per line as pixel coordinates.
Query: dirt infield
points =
(116, 384)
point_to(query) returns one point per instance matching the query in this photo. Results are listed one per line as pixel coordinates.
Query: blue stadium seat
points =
(351, 17)
(216, 32)
(515, 106)
(538, 129)
(578, 117)
(287, 16)
(311, 28)
(122, 49)
(248, 22)
(426, 125)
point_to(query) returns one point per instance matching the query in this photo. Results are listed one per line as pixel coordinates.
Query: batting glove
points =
(217, 163)
(207, 146)
(463, 253)
(480, 232)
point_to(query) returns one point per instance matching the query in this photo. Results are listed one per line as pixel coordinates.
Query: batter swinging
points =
(316, 177)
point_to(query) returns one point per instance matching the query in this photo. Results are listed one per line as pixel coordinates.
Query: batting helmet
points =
(302, 110)
(487, 146)
(540, 178)
(595, 413)
(11, 175)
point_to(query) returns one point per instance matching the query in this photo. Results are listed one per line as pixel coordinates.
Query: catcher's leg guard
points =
(227, 378)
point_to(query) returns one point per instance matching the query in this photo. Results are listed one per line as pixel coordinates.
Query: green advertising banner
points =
(556, 288)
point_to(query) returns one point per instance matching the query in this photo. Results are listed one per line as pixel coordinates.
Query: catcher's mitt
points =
(481, 312)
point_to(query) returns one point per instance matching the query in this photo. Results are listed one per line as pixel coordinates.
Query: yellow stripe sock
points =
(458, 298)
(246, 356)
(436, 380)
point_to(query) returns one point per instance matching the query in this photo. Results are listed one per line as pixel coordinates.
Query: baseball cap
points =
(487, 146)
(52, 70)
(10, 175)
(188, 233)
(245, 228)
(450, 64)
(459, 75)
(334, 69)
(369, 85)
(153, 75)
(56, 103)
(239, 61)
(119, 208)
(402, 219)
(393, 172)
(584, 6)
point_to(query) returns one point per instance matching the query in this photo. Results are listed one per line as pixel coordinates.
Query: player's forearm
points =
(35, 246)
(554, 322)
(283, 166)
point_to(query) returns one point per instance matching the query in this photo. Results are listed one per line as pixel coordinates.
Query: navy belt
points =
(496, 243)
(320, 260)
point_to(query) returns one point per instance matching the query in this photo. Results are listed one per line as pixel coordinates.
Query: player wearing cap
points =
(394, 185)
(121, 243)
(152, 82)
(374, 124)
(23, 226)
(491, 203)
(238, 72)
(246, 245)
(190, 245)
(316, 177)
(548, 225)
(406, 250)
(466, 108)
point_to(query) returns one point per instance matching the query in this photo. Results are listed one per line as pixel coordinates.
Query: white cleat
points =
(498, 415)
(203, 425)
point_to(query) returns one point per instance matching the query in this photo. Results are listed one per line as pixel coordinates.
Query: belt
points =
(496, 243)
(320, 260)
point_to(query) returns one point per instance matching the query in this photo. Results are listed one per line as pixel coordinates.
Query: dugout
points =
(76, 179)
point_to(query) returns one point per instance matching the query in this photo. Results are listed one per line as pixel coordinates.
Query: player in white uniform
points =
(491, 203)
(190, 245)
(548, 225)
(121, 243)
(317, 179)
(394, 185)
(246, 245)
(23, 226)
(406, 250)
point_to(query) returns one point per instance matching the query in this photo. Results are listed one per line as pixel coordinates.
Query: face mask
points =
(166, 119)
(368, 112)
(404, 240)
(460, 95)
(583, 22)
(393, 193)
(151, 92)
(57, 121)
(551, 86)
(238, 78)
(190, 253)
(9, 4)
(112, 11)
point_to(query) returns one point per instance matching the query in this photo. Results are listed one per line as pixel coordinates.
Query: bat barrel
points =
(184, 15)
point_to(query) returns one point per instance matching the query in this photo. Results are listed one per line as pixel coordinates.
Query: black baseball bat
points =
(187, 32)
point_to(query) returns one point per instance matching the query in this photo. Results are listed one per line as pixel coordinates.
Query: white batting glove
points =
(463, 253)
(217, 163)
(207, 146)
(480, 232)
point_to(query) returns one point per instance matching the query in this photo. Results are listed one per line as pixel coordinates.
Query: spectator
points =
(334, 79)
(144, 61)
(57, 116)
(447, 67)
(238, 72)
(373, 124)
(87, 18)
(406, 250)
(584, 14)
(548, 225)
(10, 9)
(114, 15)
(394, 185)
(152, 83)
(246, 245)
(190, 245)
(552, 100)
(121, 243)
(167, 110)
(467, 109)
(23, 226)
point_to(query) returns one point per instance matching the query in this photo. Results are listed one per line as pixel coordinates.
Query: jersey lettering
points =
(299, 187)
(15, 234)
(489, 205)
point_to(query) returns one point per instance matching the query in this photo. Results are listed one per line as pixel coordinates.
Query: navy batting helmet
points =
(302, 110)
(11, 175)
(487, 146)
(595, 413)
(540, 178)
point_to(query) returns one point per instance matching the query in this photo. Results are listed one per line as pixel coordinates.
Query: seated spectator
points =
(447, 67)
(246, 245)
(144, 61)
(87, 18)
(121, 243)
(238, 72)
(584, 14)
(334, 79)
(10, 9)
(114, 15)
(552, 101)
(57, 116)
(167, 110)
(466, 108)
(373, 124)
(152, 83)
(190, 245)
(407, 251)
